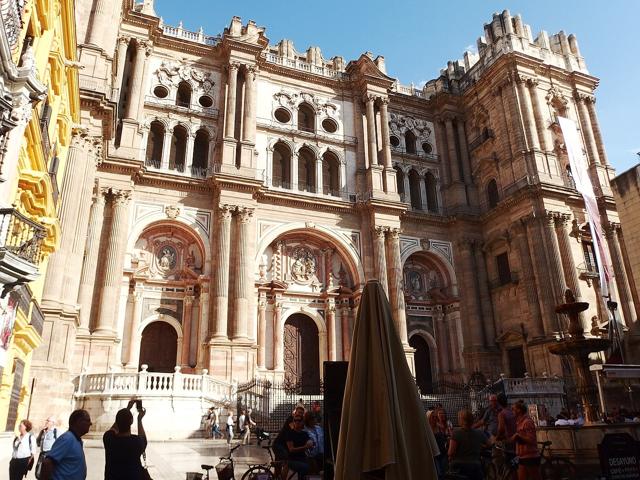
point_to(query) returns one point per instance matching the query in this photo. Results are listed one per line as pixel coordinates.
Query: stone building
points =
(247, 191)
(39, 108)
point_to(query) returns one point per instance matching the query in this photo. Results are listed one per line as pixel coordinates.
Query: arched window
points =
(281, 166)
(414, 186)
(200, 153)
(306, 171)
(399, 180)
(330, 174)
(432, 193)
(410, 142)
(306, 118)
(492, 193)
(178, 148)
(183, 96)
(153, 155)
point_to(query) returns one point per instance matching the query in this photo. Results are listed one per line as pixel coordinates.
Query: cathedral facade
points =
(245, 192)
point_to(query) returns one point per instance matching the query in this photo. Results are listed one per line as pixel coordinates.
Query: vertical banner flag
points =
(580, 172)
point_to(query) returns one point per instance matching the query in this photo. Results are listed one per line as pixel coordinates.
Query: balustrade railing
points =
(297, 64)
(154, 384)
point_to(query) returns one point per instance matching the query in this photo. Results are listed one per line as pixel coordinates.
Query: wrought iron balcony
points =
(11, 11)
(20, 247)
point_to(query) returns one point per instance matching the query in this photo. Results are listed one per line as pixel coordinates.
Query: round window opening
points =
(395, 141)
(205, 101)
(329, 125)
(426, 146)
(161, 92)
(282, 115)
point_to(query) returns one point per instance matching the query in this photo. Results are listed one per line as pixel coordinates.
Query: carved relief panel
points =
(422, 282)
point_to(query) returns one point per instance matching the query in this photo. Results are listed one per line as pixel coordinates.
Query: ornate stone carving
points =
(399, 124)
(172, 211)
(304, 266)
(171, 74)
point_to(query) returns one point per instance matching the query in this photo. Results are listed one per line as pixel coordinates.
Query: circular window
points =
(206, 101)
(161, 92)
(395, 141)
(426, 146)
(329, 125)
(282, 115)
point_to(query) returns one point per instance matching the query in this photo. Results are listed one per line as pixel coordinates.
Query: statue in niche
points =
(167, 257)
(415, 281)
(303, 267)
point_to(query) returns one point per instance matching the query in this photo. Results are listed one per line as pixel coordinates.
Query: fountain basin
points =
(579, 346)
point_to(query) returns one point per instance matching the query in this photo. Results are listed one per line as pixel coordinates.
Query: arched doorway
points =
(301, 353)
(159, 347)
(422, 359)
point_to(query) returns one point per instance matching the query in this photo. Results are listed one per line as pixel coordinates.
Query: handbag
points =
(145, 475)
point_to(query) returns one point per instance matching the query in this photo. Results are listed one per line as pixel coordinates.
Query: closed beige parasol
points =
(383, 430)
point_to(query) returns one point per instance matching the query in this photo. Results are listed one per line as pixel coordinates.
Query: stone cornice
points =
(298, 201)
(291, 73)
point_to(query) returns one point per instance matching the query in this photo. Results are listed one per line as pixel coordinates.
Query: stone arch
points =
(433, 350)
(159, 218)
(329, 149)
(155, 318)
(320, 325)
(306, 117)
(439, 259)
(348, 251)
(299, 146)
(274, 141)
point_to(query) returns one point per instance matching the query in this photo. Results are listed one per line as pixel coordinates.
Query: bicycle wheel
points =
(258, 473)
(557, 469)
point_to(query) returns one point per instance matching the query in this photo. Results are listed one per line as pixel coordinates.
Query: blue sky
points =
(417, 38)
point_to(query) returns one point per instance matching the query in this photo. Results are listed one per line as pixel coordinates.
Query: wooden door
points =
(301, 353)
(159, 347)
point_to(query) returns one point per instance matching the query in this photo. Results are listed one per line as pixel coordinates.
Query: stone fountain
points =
(578, 348)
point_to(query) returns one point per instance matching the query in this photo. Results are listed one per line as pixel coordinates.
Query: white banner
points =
(580, 172)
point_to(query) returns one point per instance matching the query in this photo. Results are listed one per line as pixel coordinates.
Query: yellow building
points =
(39, 87)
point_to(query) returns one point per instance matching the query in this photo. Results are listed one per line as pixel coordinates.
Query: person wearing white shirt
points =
(24, 446)
(229, 427)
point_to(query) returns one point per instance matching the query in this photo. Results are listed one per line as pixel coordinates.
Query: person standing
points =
(490, 418)
(465, 447)
(65, 460)
(316, 435)
(24, 446)
(241, 424)
(122, 449)
(215, 424)
(248, 424)
(526, 444)
(230, 427)
(47, 436)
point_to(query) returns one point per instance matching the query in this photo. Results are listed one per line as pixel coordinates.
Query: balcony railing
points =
(298, 64)
(11, 11)
(20, 235)
(486, 134)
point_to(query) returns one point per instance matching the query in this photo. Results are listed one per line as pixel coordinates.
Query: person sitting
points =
(298, 442)
(465, 447)
(316, 434)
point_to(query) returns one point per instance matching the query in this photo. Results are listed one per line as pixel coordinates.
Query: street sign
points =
(619, 457)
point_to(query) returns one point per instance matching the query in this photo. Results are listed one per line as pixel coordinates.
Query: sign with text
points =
(619, 457)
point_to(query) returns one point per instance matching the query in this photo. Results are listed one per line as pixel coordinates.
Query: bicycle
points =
(225, 467)
(555, 468)
(270, 470)
(506, 469)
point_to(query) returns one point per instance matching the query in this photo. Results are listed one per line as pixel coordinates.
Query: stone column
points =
(319, 186)
(218, 325)
(242, 280)
(294, 171)
(587, 131)
(262, 330)
(90, 264)
(166, 149)
(346, 332)
(133, 352)
(442, 152)
(123, 44)
(249, 116)
(371, 130)
(380, 258)
(440, 334)
(473, 331)
(330, 313)
(544, 136)
(407, 186)
(396, 292)
(143, 49)
(464, 152)
(595, 125)
(187, 320)
(527, 114)
(453, 155)
(486, 304)
(568, 264)
(384, 125)
(230, 119)
(278, 331)
(113, 261)
(528, 281)
(622, 282)
(423, 193)
(553, 254)
(68, 215)
(100, 20)
(191, 137)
